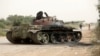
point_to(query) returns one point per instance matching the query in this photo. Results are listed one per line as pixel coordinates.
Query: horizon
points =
(66, 10)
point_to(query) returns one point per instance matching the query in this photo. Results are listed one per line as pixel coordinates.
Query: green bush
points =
(14, 20)
(19, 19)
(2, 33)
(2, 25)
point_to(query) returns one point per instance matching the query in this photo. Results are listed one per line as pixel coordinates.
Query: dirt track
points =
(68, 49)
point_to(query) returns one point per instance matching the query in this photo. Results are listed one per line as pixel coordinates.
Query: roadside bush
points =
(96, 49)
(98, 31)
(2, 33)
(2, 25)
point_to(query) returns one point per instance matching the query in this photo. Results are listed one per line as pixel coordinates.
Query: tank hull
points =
(43, 35)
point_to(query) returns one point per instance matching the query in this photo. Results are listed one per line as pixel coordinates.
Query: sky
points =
(67, 10)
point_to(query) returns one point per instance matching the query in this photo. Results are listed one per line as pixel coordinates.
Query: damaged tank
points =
(43, 30)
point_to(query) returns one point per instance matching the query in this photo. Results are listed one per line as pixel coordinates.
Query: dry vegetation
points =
(96, 49)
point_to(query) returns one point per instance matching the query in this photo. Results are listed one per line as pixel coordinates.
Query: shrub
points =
(98, 30)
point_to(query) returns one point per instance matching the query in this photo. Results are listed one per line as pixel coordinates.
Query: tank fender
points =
(33, 31)
(77, 30)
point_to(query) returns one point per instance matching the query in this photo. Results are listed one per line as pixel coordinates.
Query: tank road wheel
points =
(45, 38)
(11, 39)
(53, 39)
(77, 37)
(41, 38)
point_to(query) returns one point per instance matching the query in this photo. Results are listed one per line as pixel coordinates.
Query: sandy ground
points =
(67, 49)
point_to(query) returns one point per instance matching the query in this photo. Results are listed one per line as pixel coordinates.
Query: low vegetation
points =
(98, 30)
(97, 33)
(12, 20)
(96, 49)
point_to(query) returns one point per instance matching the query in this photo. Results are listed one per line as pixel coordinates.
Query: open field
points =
(83, 48)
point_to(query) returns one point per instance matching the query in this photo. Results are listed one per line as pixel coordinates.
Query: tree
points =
(2, 23)
(19, 19)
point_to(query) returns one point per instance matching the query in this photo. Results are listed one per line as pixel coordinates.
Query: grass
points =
(4, 30)
(97, 35)
(96, 49)
(2, 33)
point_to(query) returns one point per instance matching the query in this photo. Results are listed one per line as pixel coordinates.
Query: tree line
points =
(15, 19)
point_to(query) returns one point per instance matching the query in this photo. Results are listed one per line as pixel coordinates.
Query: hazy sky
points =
(66, 10)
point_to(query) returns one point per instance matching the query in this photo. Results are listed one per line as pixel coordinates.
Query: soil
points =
(83, 48)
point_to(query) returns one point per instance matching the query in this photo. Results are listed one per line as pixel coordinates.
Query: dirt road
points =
(68, 49)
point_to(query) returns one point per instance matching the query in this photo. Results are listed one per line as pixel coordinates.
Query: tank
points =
(43, 31)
